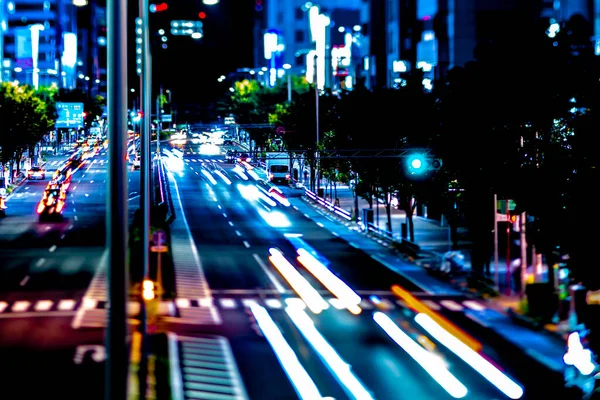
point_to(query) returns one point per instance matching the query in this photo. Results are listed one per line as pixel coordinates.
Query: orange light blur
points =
(417, 305)
(40, 207)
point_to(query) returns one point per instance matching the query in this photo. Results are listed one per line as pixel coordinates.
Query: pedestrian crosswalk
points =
(200, 306)
(37, 306)
(204, 160)
(190, 282)
(207, 369)
(57, 164)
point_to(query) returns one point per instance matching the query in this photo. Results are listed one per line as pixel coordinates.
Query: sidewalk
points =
(545, 346)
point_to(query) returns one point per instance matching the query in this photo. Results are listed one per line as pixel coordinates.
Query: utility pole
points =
(116, 204)
(496, 257)
(522, 226)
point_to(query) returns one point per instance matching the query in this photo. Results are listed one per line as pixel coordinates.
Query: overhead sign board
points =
(70, 115)
(184, 28)
(167, 118)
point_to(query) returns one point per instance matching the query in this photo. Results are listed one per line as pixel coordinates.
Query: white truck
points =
(277, 167)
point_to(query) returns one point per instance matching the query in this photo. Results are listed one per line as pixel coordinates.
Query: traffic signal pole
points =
(116, 375)
(145, 172)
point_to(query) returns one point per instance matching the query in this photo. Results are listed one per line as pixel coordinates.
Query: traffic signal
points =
(258, 5)
(158, 7)
(148, 290)
(201, 15)
(417, 164)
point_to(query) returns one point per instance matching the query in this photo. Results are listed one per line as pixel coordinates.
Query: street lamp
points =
(287, 68)
(35, 43)
(210, 2)
(80, 3)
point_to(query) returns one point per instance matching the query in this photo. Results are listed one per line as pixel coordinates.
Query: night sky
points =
(190, 67)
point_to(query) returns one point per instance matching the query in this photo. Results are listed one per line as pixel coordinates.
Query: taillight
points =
(40, 207)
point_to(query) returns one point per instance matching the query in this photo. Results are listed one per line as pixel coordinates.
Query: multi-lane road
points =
(239, 330)
(234, 234)
(45, 269)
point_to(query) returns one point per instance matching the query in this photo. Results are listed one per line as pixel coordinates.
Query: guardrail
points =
(331, 207)
(402, 244)
(162, 197)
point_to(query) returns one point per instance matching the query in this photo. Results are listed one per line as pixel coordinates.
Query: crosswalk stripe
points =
(66, 305)
(208, 369)
(451, 305)
(474, 305)
(20, 306)
(3, 306)
(43, 305)
(432, 304)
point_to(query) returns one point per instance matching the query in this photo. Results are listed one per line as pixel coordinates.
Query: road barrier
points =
(162, 191)
(329, 206)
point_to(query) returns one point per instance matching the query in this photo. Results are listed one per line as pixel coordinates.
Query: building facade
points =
(45, 42)
(437, 35)
(296, 36)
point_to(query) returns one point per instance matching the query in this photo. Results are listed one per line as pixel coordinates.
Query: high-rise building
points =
(437, 35)
(290, 33)
(40, 42)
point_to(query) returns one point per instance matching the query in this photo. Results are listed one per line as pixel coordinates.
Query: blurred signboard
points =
(70, 115)
(593, 297)
(185, 28)
(166, 118)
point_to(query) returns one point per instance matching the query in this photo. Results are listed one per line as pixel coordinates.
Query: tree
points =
(24, 122)
(298, 120)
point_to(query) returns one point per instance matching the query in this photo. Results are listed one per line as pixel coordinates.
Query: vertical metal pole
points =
(317, 175)
(289, 92)
(145, 136)
(116, 203)
(522, 227)
(508, 227)
(145, 97)
(2, 22)
(496, 257)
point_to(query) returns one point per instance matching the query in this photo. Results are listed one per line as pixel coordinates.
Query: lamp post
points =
(35, 47)
(116, 374)
(288, 72)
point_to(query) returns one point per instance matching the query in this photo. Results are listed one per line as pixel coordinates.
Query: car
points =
(230, 156)
(244, 157)
(51, 206)
(36, 173)
(137, 162)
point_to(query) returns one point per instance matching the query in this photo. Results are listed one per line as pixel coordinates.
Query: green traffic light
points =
(417, 164)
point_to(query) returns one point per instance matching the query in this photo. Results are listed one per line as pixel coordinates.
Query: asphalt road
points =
(233, 237)
(45, 269)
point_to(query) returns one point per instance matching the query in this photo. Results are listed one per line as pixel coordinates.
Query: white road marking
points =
(66, 305)
(230, 223)
(24, 281)
(238, 233)
(20, 306)
(52, 248)
(278, 286)
(40, 262)
(246, 244)
(43, 305)
(228, 303)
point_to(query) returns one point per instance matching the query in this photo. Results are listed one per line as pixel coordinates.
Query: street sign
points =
(159, 249)
(159, 238)
(593, 297)
(70, 115)
(167, 118)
